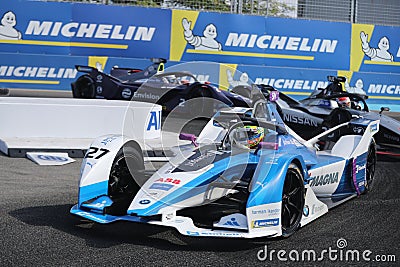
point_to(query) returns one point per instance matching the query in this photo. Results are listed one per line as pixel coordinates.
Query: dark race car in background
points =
(152, 84)
(321, 111)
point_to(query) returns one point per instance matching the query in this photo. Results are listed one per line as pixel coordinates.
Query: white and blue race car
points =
(246, 175)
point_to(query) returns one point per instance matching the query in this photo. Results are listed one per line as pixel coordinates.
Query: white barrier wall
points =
(73, 123)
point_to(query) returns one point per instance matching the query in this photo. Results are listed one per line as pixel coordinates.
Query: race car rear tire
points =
(370, 167)
(84, 87)
(124, 179)
(293, 199)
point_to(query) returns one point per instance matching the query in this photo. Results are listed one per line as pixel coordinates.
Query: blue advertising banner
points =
(39, 50)
(84, 29)
(380, 87)
(239, 39)
(54, 72)
(375, 48)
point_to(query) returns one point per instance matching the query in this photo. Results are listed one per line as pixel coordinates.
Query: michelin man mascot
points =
(243, 80)
(376, 54)
(205, 42)
(7, 31)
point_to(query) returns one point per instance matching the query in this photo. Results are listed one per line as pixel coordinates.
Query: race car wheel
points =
(123, 179)
(84, 87)
(292, 200)
(370, 168)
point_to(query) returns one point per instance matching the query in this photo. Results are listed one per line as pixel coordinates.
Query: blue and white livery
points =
(222, 187)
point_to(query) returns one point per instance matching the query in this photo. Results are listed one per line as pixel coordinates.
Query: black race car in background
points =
(326, 108)
(168, 89)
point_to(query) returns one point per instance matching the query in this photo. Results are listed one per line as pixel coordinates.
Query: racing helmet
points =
(249, 136)
(344, 101)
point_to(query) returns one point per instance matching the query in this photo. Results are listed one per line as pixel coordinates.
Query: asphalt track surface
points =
(38, 230)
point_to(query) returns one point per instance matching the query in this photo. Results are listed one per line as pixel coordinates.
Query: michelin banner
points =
(375, 48)
(381, 88)
(84, 29)
(240, 39)
(54, 72)
(39, 50)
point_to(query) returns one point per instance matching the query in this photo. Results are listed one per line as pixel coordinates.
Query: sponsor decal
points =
(306, 211)
(148, 96)
(52, 158)
(154, 121)
(44, 158)
(126, 93)
(316, 209)
(276, 42)
(291, 83)
(192, 162)
(193, 233)
(358, 130)
(7, 30)
(360, 168)
(390, 89)
(274, 96)
(268, 212)
(299, 120)
(326, 179)
(209, 233)
(265, 223)
(291, 142)
(374, 127)
(99, 203)
(108, 140)
(144, 201)
(159, 186)
(38, 72)
(92, 30)
(90, 164)
(99, 78)
(391, 137)
(380, 53)
(169, 180)
(232, 222)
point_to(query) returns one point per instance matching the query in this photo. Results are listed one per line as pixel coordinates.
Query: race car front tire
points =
(370, 167)
(293, 199)
(124, 180)
(84, 87)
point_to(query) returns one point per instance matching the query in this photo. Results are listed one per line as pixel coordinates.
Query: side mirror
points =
(188, 137)
(384, 109)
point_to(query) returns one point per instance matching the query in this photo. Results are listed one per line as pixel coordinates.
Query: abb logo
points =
(169, 180)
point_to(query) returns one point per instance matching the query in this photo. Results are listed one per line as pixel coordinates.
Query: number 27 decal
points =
(96, 153)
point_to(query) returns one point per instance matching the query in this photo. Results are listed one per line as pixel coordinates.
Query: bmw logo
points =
(306, 210)
(126, 93)
(99, 89)
(144, 201)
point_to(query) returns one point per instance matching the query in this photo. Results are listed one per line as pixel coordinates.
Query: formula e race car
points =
(168, 89)
(246, 175)
(328, 107)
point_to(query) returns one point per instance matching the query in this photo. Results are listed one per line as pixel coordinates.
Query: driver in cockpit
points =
(249, 136)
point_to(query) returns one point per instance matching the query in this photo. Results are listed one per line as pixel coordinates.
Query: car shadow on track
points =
(114, 234)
